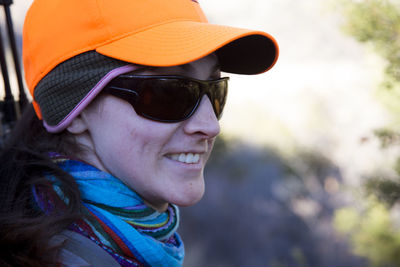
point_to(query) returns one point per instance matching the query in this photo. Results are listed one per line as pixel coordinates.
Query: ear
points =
(77, 126)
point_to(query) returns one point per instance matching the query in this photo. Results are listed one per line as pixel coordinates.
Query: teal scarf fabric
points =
(118, 220)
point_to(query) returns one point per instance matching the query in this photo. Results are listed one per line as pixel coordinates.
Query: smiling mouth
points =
(188, 158)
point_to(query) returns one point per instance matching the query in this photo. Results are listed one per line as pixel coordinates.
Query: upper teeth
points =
(186, 158)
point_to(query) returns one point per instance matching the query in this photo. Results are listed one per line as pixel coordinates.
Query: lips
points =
(189, 158)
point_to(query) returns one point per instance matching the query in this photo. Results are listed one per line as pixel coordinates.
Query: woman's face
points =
(150, 156)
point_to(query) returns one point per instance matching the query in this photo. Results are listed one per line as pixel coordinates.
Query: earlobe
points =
(77, 126)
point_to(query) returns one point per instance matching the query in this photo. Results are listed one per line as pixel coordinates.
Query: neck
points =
(88, 154)
(162, 207)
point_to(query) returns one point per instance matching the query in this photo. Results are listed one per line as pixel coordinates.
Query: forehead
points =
(204, 68)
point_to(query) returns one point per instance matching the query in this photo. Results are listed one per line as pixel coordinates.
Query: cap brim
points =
(239, 50)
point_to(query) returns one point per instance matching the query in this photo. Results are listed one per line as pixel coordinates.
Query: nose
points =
(203, 121)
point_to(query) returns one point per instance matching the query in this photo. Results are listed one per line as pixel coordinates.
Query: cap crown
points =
(56, 30)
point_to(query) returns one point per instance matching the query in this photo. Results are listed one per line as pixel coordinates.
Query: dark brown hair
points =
(25, 231)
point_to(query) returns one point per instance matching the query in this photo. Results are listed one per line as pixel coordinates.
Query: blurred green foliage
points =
(377, 23)
(385, 190)
(387, 137)
(372, 228)
(372, 232)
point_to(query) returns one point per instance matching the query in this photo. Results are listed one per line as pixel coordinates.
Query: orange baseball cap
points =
(144, 32)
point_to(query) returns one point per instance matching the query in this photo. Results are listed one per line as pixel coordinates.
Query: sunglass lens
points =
(168, 100)
(218, 97)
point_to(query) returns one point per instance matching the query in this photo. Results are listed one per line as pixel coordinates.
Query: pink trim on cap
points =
(89, 97)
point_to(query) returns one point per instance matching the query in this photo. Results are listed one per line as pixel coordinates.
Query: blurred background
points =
(306, 170)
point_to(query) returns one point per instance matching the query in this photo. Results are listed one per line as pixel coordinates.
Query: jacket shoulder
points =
(79, 251)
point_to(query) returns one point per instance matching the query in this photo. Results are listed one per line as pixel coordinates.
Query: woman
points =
(126, 100)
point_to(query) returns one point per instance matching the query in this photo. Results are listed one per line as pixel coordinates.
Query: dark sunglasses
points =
(168, 98)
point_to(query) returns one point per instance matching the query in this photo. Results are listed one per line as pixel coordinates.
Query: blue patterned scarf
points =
(118, 220)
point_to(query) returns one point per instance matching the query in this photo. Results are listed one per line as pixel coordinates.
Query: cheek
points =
(137, 161)
(131, 151)
(210, 144)
(118, 145)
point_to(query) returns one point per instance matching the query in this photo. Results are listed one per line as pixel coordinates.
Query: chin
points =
(189, 197)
